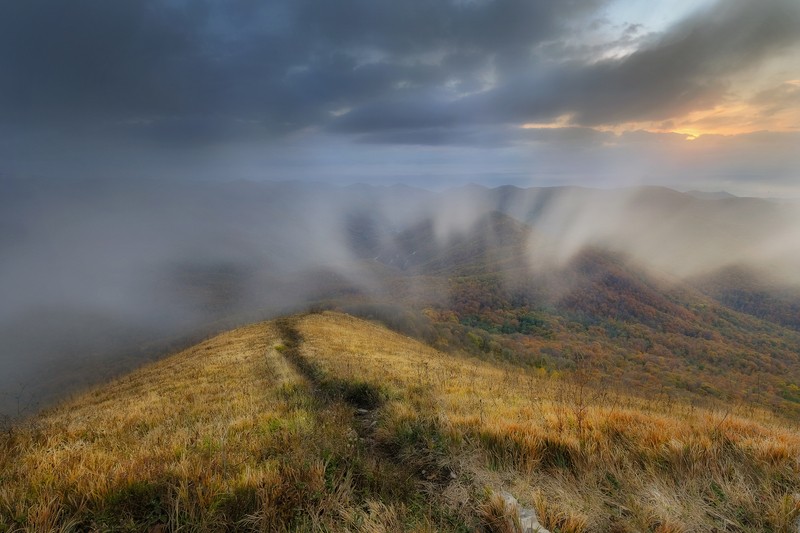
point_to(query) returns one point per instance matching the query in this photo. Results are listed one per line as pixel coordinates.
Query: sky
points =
(605, 93)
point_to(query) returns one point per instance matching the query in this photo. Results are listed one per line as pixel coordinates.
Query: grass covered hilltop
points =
(324, 422)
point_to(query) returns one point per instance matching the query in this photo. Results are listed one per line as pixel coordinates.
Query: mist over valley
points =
(101, 277)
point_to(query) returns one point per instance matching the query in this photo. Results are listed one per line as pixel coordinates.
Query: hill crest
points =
(325, 421)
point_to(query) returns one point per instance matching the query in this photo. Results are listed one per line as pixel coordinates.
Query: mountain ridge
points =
(325, 421)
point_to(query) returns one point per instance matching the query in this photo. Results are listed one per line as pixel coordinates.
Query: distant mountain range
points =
(711, 195)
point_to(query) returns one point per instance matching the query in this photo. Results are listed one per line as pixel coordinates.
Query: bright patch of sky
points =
(654, 16)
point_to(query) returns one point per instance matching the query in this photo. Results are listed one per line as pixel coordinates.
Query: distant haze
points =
(93, 271)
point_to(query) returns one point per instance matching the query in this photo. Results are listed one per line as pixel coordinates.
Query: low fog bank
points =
(100, 276)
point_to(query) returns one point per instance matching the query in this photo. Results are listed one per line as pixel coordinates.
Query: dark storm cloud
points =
(422, 26)
(686, 69)
(476, 137)
(682, 71)
(567, 136)
(69, 58)
(163, 67)
(208, 71)
(775, 99)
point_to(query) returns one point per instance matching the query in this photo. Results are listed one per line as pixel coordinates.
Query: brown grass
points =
(252, 431)
(633, 465)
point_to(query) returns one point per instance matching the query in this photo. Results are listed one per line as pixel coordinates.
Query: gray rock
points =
(528, 520)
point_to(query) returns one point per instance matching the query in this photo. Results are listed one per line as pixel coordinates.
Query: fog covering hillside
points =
(98, 276)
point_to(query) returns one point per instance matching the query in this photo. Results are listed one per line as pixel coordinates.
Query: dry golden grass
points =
(607, 463)
(224, 436)
(201, 418)
(259, 429)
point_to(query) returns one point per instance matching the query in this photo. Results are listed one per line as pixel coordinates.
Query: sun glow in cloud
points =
(776, 109)
(735, 118)
(564, 121)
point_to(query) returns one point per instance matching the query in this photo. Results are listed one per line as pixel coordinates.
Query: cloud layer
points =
(152, 83)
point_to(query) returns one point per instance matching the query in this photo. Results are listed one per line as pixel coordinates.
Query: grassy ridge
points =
(225, 436)
(585, 458)
(327, 422)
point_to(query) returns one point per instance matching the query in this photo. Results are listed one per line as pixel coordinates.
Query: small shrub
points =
(237, 504)
(138, 502)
